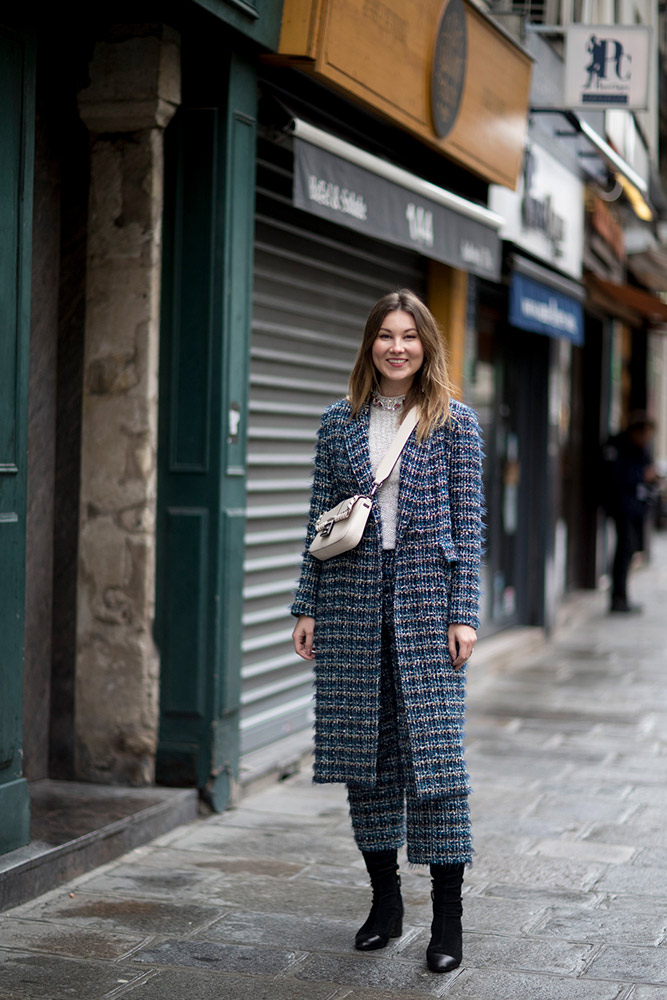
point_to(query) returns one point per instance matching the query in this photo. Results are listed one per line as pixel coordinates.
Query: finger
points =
(453, 649)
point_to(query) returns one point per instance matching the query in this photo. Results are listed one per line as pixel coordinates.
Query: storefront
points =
(518, 377)
(349, 207)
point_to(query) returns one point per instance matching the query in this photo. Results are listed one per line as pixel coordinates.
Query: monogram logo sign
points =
(606, 66)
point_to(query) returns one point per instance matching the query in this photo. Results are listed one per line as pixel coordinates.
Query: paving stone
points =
(539, 873)
(141, 915)
(516, 952)
(54, 978)
(217, 955)
(616, 924)
(545, 897)
(145, 880)
(632, 832)
(484, 915)
(573, 811)
(372, 971)
(651, 857)
(173, 984)
(482, 984)
(58, 939)
(581, 850)
(636, 880)
(632, 965)
(209, 862)
(293, 845)
(297, 896)
(283, 930)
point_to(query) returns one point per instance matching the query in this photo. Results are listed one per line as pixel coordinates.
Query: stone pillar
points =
(133, 92)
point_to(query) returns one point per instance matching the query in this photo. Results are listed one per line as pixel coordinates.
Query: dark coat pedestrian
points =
(628, 478)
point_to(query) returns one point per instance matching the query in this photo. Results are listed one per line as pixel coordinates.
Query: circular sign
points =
(449, 67)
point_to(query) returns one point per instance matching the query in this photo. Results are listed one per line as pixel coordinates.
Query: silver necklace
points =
(387, 402)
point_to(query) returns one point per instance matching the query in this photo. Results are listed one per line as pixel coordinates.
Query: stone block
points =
(631, 965)
(53, 978)
(146, 881)
(634, 880)
(371, 971)
(535, 872)
(581, 850)
(217, 955)
(615, 924)
(135, 82)
(485, 984)
(284, 931)
(176, 983)
(33, 935)
(140, 916)
(526, 953)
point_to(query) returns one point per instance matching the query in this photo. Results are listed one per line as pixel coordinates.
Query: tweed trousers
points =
(438, 830)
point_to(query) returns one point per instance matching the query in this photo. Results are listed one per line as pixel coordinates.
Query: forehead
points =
(398, 320)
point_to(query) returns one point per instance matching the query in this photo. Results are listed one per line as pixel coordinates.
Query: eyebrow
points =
(408, 329)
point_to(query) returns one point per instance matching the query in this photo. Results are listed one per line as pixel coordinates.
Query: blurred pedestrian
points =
(628, 480)
(392, 622)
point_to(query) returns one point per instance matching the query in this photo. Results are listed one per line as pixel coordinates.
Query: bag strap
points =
(393, 453)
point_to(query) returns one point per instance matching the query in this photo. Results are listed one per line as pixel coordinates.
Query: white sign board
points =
(545, 215)
(606, 66)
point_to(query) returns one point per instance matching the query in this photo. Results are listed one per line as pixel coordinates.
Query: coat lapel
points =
(356, 442)
(414, 468)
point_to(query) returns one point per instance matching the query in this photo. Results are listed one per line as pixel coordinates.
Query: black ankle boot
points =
(445, 949)
(386, 917)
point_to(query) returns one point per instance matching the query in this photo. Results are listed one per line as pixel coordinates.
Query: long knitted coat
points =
(437, 556)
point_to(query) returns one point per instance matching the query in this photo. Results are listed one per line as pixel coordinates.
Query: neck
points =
(394, 388)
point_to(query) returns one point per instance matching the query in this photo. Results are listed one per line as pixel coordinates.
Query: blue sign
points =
(536, 307)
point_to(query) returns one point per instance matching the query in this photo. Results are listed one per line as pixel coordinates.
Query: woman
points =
(392, 622)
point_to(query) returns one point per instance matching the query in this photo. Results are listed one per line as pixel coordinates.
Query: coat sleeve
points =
(305, 599)
(466, 505)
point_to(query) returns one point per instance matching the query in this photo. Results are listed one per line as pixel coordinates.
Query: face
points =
(397, 353)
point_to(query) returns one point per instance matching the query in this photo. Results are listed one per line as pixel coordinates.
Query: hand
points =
(302, 637)
(461, 638)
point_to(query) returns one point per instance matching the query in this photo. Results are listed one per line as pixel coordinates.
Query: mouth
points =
(397, 362)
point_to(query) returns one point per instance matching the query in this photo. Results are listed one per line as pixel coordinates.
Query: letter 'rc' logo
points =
(608, 59)
(449, 67)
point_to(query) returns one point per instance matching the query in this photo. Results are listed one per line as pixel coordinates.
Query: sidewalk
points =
(566, 899)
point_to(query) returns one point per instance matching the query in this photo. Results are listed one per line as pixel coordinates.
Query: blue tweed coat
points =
(438, 545)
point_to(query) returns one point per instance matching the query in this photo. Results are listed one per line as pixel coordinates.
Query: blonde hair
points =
(431, 388)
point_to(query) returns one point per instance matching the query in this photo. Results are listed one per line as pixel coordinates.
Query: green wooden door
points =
(16, 172)
(206, 308)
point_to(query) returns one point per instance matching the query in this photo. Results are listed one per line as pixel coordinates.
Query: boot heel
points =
(398, 928)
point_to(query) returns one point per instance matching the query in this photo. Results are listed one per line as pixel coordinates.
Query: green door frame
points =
(204, 358)
(17, 86)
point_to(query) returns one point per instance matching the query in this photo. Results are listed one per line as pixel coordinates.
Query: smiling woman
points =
(392, 622)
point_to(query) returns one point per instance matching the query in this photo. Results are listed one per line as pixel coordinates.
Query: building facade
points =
(201, 213)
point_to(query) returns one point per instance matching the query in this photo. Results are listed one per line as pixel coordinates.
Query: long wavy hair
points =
(431, 387)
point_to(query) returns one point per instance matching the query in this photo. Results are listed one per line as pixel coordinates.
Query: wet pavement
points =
(566, 900)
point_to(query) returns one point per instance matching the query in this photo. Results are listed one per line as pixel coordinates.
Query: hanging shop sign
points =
(542, 309)
(607, 66)
(350, 195)
(443, 71)
(545, 215)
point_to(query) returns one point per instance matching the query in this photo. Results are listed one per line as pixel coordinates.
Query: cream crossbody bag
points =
(341, 528)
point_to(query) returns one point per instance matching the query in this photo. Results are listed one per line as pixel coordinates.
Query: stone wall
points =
(134, 90)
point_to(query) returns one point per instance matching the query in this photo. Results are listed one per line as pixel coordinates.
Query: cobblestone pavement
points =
(566, 899)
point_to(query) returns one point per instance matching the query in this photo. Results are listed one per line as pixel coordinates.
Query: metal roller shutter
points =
(314, 286)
